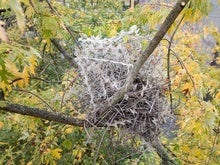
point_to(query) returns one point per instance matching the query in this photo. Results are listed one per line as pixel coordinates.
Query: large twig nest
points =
(104, 66)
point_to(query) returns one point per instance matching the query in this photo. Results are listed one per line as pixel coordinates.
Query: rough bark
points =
(166, 158)
(40, 113)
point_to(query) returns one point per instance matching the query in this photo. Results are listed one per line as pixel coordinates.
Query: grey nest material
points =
(104, 66)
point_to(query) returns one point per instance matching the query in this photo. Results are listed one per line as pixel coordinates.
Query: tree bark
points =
(163, 153)
(39, 113)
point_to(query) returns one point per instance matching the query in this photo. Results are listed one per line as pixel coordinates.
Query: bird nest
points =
(104, 65)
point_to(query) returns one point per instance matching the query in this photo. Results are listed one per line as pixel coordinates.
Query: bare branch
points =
(69, 58)
(39, 113)
(166, 157)
(40, 98)
(168, 63)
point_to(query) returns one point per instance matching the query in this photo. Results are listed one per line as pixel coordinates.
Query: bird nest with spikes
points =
(104, 65)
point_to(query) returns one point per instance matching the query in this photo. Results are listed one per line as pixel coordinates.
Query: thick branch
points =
(39, 113)
(163, 153)
(148, 51)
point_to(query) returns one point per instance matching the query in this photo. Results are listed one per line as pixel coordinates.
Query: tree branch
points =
(163, 153)
(68, 57)
(179, 6)
(39, 113)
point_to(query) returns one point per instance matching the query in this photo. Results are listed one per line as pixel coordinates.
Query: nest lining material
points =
(104, 67)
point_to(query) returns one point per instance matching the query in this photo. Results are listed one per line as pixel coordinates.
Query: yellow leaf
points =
(217, 96)
(1, 125)
(56, 153)
(69, 130)
(187, 88)
(5, 87)
(25, 76)
(177, 81)
(33, 62)
(218, 58)
(12, 68)
(3, 143)
(113, 31)
(82, 116)
(29, 163)
(185, 149)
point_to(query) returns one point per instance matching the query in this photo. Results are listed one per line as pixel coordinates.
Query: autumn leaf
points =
(56, 153)
(187, 88)
(69, 130)
(1, 124)
(217, 96)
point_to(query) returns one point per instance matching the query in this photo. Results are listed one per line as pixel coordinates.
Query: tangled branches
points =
(104, 66)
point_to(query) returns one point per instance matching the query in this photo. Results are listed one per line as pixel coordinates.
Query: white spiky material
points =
(104, 64)
(109, 60)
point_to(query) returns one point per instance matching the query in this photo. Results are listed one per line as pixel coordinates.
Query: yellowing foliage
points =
(199, 103)
(55, 153)
(1, 125)
(69, 130)
(217, 96)
(17, 65)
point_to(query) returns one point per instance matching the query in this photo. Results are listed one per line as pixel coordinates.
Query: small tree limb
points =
(39, 113)
(163, 153)
(66, 55)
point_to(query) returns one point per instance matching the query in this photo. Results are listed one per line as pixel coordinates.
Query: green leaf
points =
(67, 144)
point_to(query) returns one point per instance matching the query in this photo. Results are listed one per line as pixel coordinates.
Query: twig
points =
(159, 4)
(161, 151)
(45, 68)
(213, 145)
(65, 26)
(69, 58)
(102, 138)
(189, 75)
(168, 63)
(40, 98)
(36, 78)
(46, 81)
